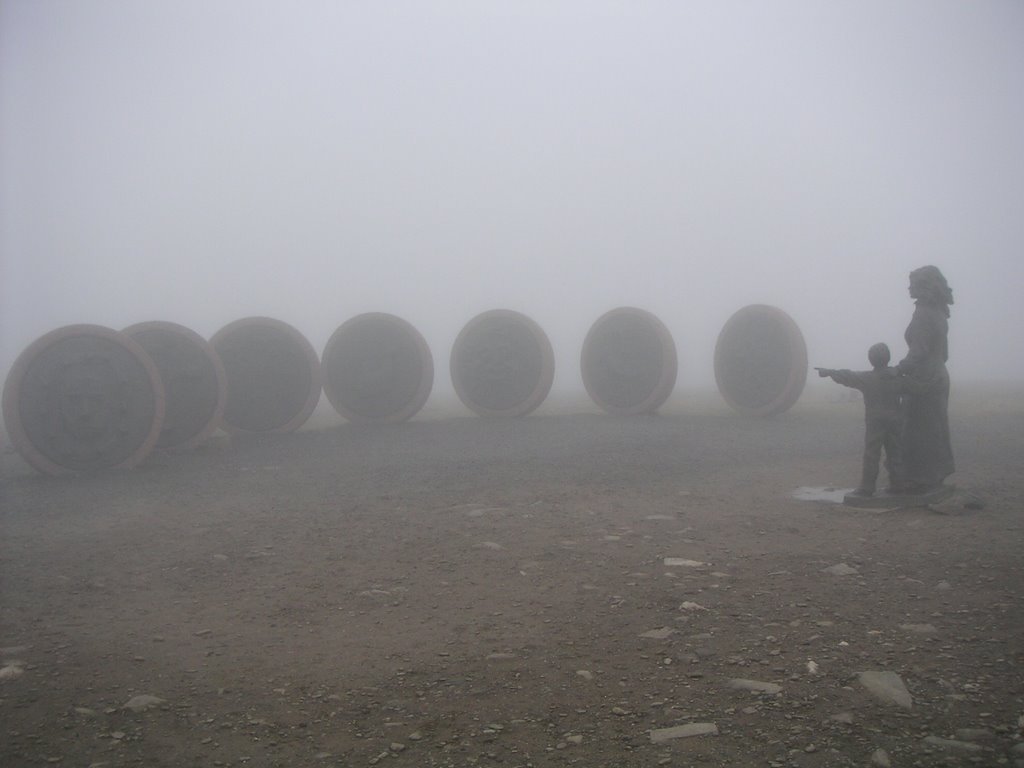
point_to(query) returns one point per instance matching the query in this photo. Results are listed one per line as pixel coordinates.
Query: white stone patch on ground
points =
(920, 629)
(973, 734)
(682, 562)
(817, 493)
(952, 745)
(658, 634)
(483, 511)
(758, 686)
(142, 702)
(661, 735)
(887, 687)
(840, 569)
(11, 671)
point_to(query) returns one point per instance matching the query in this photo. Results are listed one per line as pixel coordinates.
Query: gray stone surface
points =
(920, 629)
(887, 687)
(142, 702)
(899, 500)
(818, 493)
(973, 734)
(662, 735)
(840, 569)
(11, 671)
(660, 633)
(758, 686)
(952, 745)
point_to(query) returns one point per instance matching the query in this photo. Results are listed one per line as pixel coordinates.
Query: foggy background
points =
(204, 161)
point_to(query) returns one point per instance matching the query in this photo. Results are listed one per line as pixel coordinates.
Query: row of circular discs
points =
(85, 397)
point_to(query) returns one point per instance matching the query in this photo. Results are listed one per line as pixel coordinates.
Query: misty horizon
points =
(200, 163)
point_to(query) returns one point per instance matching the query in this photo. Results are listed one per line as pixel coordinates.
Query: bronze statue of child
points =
(883, 389)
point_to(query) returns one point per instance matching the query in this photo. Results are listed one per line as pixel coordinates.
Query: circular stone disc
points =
(628, 361)
(760, 361)
(502, 364)
(193, 377)
(83, 397)
(377, 368)
(273, 375)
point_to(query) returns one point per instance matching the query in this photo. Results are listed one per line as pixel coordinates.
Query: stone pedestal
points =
(884, 500)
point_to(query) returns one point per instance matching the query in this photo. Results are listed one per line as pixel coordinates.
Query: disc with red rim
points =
(761, 361)
(194, 381)
(377, 368)
(628, 362)
(273, 375)
(81, 398)
(502, 364)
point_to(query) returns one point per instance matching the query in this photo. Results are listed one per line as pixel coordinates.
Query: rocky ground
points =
(566, 589)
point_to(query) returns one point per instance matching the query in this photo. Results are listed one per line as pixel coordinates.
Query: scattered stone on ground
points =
(840, 569)
(355, 608)
(952, 744)
(683, 562)
(887, 687)
(142, 702)
(661, 735)
(973, 734)
(758, 686)
(920, 629)
(658, 634)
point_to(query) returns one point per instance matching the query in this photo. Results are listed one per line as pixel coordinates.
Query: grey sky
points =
(200, 162)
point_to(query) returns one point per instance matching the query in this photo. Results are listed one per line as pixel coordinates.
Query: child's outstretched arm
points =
(842, 376)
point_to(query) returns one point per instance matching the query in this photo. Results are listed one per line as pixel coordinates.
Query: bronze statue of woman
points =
(927, 454)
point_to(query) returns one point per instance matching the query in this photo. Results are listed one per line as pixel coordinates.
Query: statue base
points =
(885, 500)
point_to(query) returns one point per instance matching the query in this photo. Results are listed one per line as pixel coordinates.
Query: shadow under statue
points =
(906, 406)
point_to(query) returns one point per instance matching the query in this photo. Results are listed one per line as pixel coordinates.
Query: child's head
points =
(879, 355)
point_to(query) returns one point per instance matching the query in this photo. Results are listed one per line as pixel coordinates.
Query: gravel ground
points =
(565, 589)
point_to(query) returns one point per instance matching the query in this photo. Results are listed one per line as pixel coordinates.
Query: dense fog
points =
(204, 161)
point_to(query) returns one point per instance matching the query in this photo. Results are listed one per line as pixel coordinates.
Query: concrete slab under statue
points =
(819, 493)
(889, 500)
(879, 501)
